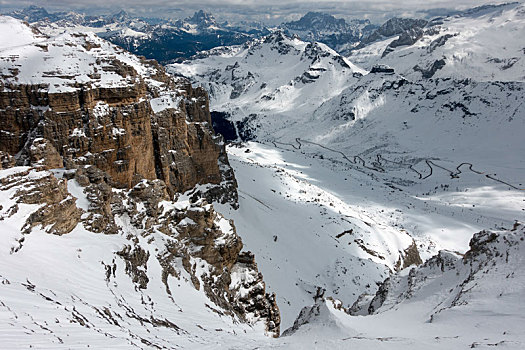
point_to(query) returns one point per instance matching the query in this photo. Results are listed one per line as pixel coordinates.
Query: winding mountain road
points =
(358, 160)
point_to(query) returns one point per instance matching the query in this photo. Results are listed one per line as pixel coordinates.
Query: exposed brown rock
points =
(257, 301)
(410, 256)
(58, 213)
(100, 217)
(117, 130)
(43, 153)
(82, 127)
(136, 260)
(186, 153)
(6, 160)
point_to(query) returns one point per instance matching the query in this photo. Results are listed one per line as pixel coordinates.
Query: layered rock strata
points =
(104, 107)
(81, 116)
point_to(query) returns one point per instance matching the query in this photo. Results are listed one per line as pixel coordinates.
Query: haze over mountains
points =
(321, 183)
(174, 39)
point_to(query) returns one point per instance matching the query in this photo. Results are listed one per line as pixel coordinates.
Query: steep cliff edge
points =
(99, 105)
(95, 140)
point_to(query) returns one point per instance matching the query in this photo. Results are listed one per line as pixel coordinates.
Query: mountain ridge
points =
(356, 187)
(108, 174)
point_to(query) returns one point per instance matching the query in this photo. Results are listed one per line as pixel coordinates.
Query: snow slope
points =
(480, 44)
(74, 290)
(309, 233)
(109, 290)
(443, 120)
(448, 303)
(319, 222)
(57, 291)
(65, 61)
(19, 33)
(437, 159)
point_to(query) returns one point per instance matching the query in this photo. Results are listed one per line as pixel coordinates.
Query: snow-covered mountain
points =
(274, 77)
(478, 44)
(162, 39)
(199, 21)
(337, 33)
(483, 271)
(271, 88)
(359, 191)
(437, 158)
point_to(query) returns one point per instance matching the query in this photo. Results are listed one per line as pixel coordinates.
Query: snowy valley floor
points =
(314, 222)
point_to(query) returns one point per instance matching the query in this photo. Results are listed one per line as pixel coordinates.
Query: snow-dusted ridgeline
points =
(359, 175)
(437, 159)
(479, 44)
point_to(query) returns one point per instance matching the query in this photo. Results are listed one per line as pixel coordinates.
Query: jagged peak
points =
(322, 26)
(402, 23)
(394, 26)
(276, 36)
(121, 15)
(201, 17)
(317, 19)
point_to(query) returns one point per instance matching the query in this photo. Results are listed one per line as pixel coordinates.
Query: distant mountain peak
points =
(335, 32)
(121, 15)
(395, 26)
(202, 18)
(32, 13)
(316, 14)
(317, 21)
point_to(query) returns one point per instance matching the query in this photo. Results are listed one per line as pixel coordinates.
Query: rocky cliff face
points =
(394, 26)
(108, 142)
(161, 240)
(138, 126)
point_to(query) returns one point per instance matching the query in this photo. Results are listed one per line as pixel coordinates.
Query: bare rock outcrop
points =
(6, 160)
(43, 153)
(118, 112)
(57, 212)
(127, 139)
(409, 256)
